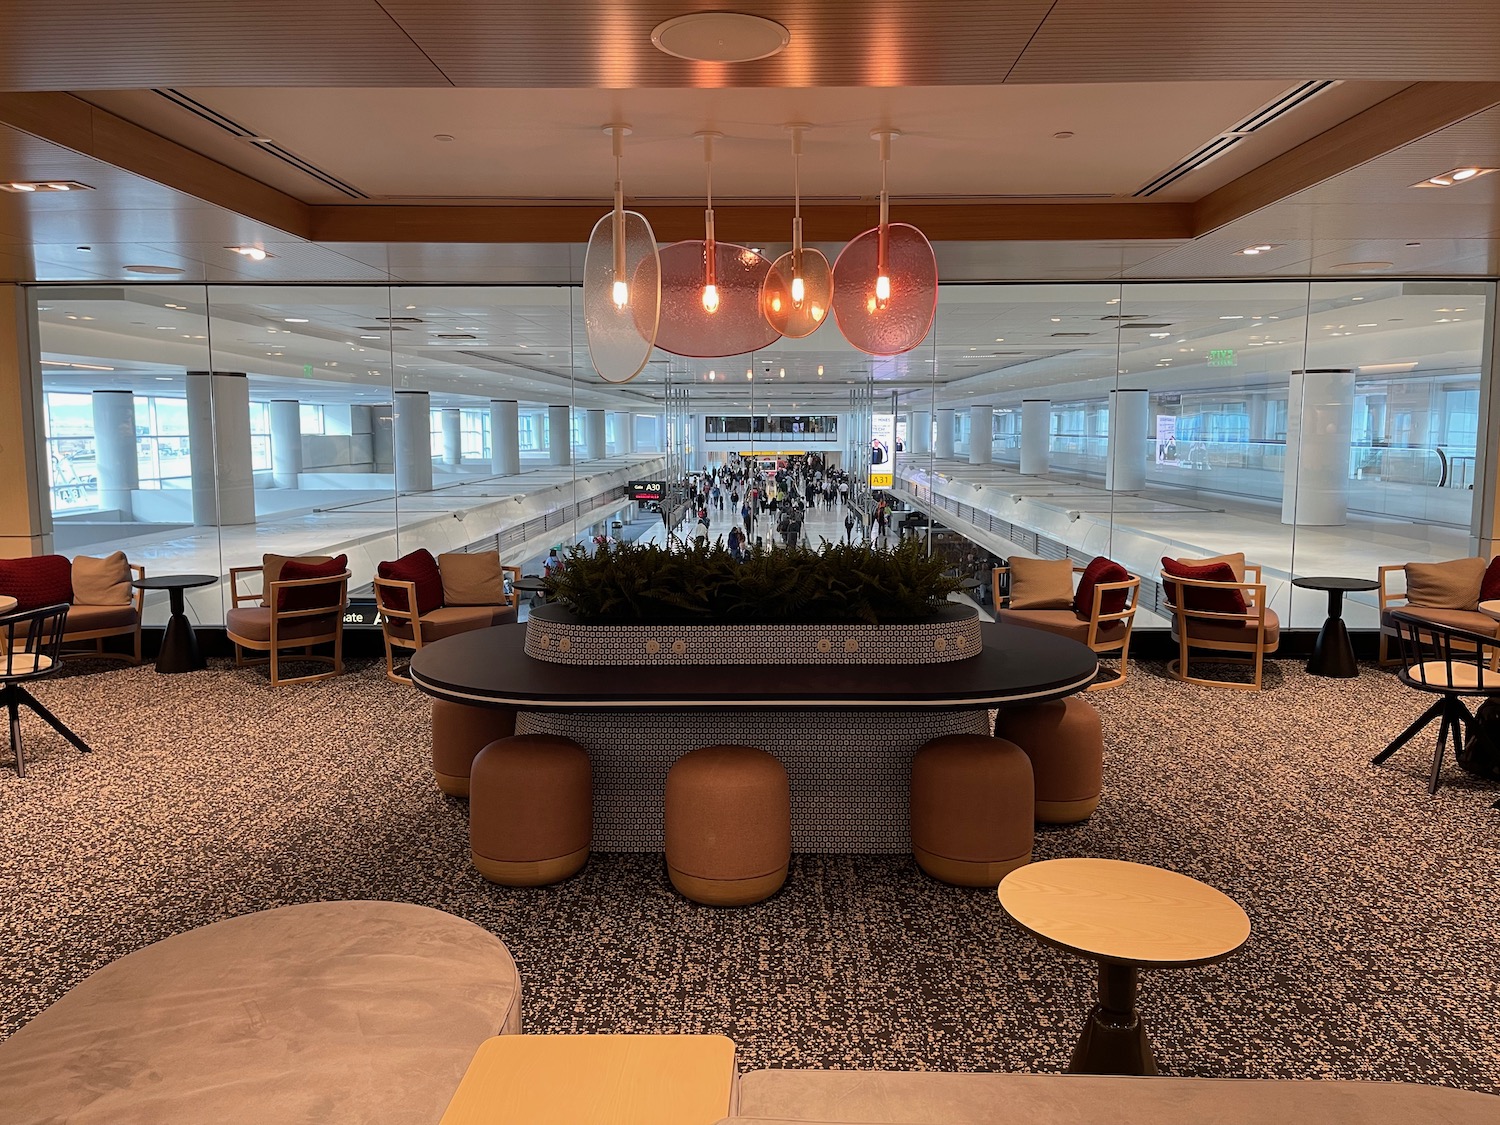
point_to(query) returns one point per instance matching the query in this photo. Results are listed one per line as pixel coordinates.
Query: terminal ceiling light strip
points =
(798, 290)
(621, 284)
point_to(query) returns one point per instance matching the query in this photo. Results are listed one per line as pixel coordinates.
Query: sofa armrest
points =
(238, 599)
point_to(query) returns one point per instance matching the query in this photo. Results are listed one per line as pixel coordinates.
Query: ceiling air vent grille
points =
(1071, 335)
(381, 328)
(269, 147)
(400, 319)
(1218, 146)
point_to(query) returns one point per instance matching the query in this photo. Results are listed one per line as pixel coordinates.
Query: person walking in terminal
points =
(848, 527)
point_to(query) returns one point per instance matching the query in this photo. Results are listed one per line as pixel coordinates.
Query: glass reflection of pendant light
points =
(798, 291)
(710, 290)
(885, 280)
(621, 284)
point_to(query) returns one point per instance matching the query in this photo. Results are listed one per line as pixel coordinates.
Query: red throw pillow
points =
(1100, 570)
(37, 581)
(310, 597)
(1489, 585)
(419, 567)
(1208, 601)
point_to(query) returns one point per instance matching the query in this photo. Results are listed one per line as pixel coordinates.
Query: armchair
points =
(1219, 605)
(290, 611)
(422, 599)
(101, 603)
(1104, 631)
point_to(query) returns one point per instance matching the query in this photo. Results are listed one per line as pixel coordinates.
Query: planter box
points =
(556, 635)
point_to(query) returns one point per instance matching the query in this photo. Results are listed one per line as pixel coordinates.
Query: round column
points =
(505, 437)
(382, 442)
(945, 434)
(1319, 423)
(594, 445)
(115, 458)
(981, 434)
(1036, 436)
(453, 436)
(625, 432)
(559, 436)
(919, 432)
(1125, 463)
(218, 409)
(412, 438)
(286, 442)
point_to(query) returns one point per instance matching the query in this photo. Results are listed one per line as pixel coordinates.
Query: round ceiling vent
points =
(720, 37)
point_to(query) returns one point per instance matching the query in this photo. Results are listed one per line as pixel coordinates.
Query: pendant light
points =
(798, 291)
(710, 290)
(621, 284)
(885, 280)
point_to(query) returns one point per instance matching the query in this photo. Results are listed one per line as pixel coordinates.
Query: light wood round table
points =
(7, 603)
(1126, 916)
(1490, 609)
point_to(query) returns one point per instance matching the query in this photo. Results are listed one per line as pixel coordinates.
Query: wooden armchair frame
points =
(267, 598)
(405, 593)
(1098, 620)
(1395, 600)
(1253, 590)
(98, 636)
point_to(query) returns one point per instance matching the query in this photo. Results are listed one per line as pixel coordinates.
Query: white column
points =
(412, 438)
(453, 437)
(382, 442)
(286, 442)
(115, 451)
(624, 432)
(559, 436)
(945, 434)
(361, 438)
(919, 432)
(1125, 462)
(218, 409)
(1319, 422)
(1036, 436)
(505, 437)
(981, 434)
(594, 446)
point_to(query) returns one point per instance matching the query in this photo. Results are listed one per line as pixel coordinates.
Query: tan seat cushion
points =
(1204, 632)
(451, 620)
(24, 663)
(253, 623)
(471, 579)
(1236, 563)
(1063, 622)
(103, 581)
(1474, 622)
(1465, 676)
(1041, 583)
(1445, 585)
(87, 618)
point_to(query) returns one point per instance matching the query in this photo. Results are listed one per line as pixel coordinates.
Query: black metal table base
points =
(1456, 723)
(1114, 1037)
(1333, 652)
(13, 697)
(179, 644)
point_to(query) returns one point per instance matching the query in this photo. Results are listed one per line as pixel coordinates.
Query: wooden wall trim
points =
(1417, 111)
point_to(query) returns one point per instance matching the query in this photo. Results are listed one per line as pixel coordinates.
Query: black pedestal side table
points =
(179, 644)
(1333, 653)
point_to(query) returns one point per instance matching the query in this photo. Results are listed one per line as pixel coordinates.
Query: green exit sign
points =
(1221, 357)
(307, 368)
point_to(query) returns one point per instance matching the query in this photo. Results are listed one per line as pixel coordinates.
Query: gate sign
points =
(646, 489)
(882, 450)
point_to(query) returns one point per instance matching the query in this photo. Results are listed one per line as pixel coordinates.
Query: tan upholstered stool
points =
(728, 825)
(531, 814)
(971, 809)
(459, 733)
(1065, 742)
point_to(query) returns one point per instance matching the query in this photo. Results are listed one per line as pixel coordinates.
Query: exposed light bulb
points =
(799, 290)
(711, 298)
(882, 288)
(621, 294)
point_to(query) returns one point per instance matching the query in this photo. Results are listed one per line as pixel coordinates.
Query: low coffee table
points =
(1126, 916)
(1333, 654)
(179, 644)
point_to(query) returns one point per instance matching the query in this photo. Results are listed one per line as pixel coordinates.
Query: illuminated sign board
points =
(646, 489)
(882, 451)
(1221, 357)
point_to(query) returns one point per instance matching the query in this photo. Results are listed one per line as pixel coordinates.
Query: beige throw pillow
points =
(1041, 583)
(472, 579)
(103, 581)
(1445, 585)
(1236, 563)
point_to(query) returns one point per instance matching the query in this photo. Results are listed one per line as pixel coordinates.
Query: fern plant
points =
(834, 583)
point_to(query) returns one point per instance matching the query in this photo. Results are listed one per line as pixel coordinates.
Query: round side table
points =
(7, 603)
(1333, 653)
(1126, 916)
(179, 644)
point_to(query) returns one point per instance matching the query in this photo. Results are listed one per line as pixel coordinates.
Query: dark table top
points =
(175, 581)
(491, 666)
(530, 583)
(1347, 585)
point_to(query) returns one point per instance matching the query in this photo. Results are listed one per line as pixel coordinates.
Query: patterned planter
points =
(555, 634)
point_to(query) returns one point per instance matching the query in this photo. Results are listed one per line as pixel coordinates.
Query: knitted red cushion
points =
(419, 567)
(1209, 601)
(1100, 570)
(310, 597)
(37, 581)
(1489, 585)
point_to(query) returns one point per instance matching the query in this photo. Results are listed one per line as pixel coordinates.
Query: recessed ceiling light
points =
(153, 269)
(1232, 316)
(28, 187)
(1454, 176)
(444, 137)
(295, 319)
(254, 253)
(1363, 267)
(1160, 335)
(369, 337)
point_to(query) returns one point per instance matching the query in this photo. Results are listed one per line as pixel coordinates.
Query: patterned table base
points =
(850, 770)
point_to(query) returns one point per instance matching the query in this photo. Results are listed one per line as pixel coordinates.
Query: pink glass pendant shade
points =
(621, 322)
(779, 302)
(735, 325)
(900, 321)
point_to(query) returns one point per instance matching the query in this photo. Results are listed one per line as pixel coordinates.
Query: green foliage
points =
(834, 583)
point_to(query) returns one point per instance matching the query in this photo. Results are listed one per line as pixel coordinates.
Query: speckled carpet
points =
(1375, 950)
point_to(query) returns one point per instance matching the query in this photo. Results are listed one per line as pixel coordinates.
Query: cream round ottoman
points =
(459, 733)
(971, 809)
(327, 1011)
(531, 810)
(728, 825)
(1065, 742)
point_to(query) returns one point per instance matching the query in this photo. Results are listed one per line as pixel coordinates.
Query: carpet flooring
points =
(1374, 954)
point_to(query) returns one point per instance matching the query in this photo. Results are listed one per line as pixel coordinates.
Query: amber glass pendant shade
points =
(621, 322)
(900, 321)
(735, 324)
(778, 296)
